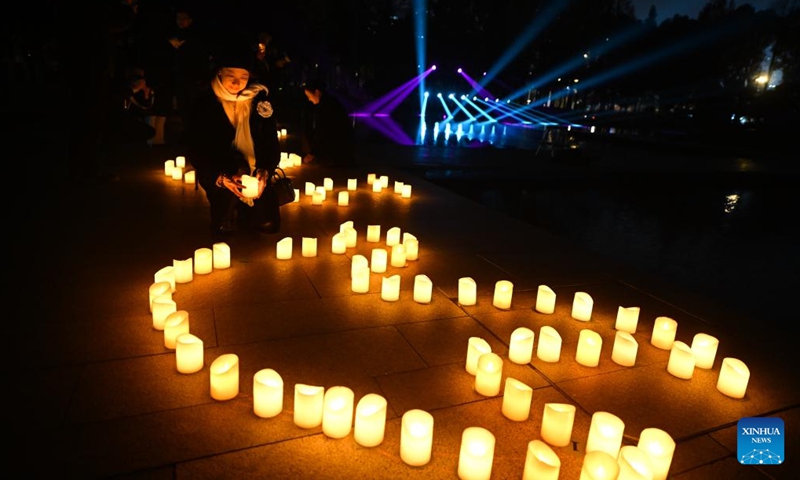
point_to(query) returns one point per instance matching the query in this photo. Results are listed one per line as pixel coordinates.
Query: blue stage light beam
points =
(476, 87)
(421, 33)
(474, 105)
(446, 109)
(533, 29)
(461, 107)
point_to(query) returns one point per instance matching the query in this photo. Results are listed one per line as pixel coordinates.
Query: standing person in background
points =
(190, 67)
(329, 139)
(231, 132)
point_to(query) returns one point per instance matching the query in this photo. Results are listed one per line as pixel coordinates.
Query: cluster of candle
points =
(177, 170)
(380, 183)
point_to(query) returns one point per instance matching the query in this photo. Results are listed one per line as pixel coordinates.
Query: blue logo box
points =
(760, 441)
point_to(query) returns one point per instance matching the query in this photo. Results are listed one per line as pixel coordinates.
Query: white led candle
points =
(590, 344)
(406, 191)
(582, 306)
(267, 393)
(221, 252)
(346, 225)
(327, 184)
(352, 184)
(344, 198)
(516, 400)
(224, 374)
(356, 262)
(659, 447)
(176, 323)
(390, 288)
(412, 246)
(249, 186)
(423, 289)
(339, 243)
(296, 195)
(467, 291)
(188, 353)
(359, 283)
(180, 161)
(371, 178)
(177, 173)
(337, 414)
(416, 437)
(317, 198)
(398, 257)
(283, 250)
(373, 233)
(476, 455)
(392, 236)
(184, 273)
(350, 237)
(378, 262)
(520, 345)
(310, 189)
(545, 300)
(190, 177)
(541, 462)
(681, 361)
(476, 347)
(377, 187)
(625, 349)
(664, 331)
(627, 319)
(166, 274)
(503, 291)
(605, 433)
(309, 247)
(321, 190)
(158, 289)
(634, 464)
(704, 347)
(168, 166)
(557, 422)
(283, 132)
(733, 377)
(488, 378)
(162, 306)
(370, 421)
(549, 348)
(398, 187)
(203, 261)
(384, 181)
(599, 465)
(308, 405)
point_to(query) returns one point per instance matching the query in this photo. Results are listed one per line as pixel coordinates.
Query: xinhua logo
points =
(760, 441)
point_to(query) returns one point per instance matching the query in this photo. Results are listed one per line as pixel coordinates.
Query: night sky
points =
(666, 9)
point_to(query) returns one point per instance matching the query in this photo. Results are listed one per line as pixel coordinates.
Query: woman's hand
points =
(234, 184)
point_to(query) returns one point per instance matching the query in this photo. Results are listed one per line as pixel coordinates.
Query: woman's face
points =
(234, 80)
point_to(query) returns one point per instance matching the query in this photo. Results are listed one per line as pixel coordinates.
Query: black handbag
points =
(282, 185)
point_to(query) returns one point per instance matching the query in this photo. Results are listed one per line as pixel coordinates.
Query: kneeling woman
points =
(231, 132)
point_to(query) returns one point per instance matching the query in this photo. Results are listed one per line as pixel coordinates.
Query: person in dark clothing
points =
(329, 137)
(231, 132)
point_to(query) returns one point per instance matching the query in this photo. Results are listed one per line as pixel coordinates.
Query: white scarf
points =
(237, 108)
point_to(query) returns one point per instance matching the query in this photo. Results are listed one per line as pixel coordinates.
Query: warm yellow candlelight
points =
(390, 288)
(664, 331)
(557, 422)
(352, 184)
(625, 349)
(370, 421)
(378, 262)
(520, 345)
(398, 187)
(267, 393)
(180, 161)
(158, 289)
(169, 165)
(541, 462)
(346, 225)
(296, 195)
(627, 319)
(309, 247)
(321, 191)
(283, 250)
(384, 181)
(704, 347)
(733, 377)
(377, 187)
(166, 274)
(412, 246)
(163, 305)
(549, 348)
(590, 343)
(582, 306)
(545, 300)
(406, 191)
(221, 253)
(337, 415)
(605, 433)
(339, 243)
(175, 324)
(184, 273)
(177, 173)
(344, 198)
(398, 257)
(516, 400)
(634, 464)
(359, 283)
(599, 465)
(350, 237)
(310, 189)
(224, 373)
(488, 378)
(476, 455)
(317, 198)
(249, 186)
(356, 262)
(467, 291)
(373, 233)
(203, 261)
(503, 291)
(327, 184)
(475, 348)
(188, 353)
(308, 405)
(423, 289)
(190, 177)
(681, 361)
(392, 236)
(659, 447)
(416, 437)
(371, 178)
